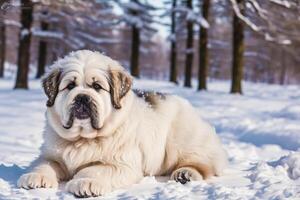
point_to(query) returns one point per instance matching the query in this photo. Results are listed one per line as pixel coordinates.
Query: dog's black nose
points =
(82, 99)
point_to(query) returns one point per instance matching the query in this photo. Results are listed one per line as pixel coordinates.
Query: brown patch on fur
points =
(62, 169)
(205, 170)
(120, 84)
(90, 164)
(50, 85)
(150, 97)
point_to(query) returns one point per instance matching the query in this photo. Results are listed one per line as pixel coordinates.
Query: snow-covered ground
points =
(260, 131)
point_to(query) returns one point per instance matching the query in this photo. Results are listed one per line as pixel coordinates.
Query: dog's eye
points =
(71, 86)
(96, 86)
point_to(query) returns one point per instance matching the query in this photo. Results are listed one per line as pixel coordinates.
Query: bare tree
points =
(173, 52)
(238, 50)
(2, 47)
(135, 46)
(189, 47)
(42, 57)
(266, 24)
(283, 67)
(24, 44)
(203, 49)
(137, 14)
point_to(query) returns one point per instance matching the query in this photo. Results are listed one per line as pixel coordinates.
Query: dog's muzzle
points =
(82, 107)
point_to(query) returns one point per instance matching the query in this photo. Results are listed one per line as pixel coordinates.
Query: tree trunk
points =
(135, 48)
(2, 48)
(203, 50)
(173, 56)
(24, 44)
(42, 52)
(283, 67)
(189, 50)
(135, 45)
(238, 50)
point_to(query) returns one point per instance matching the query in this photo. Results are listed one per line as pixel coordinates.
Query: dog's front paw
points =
(87, 187)
(36, 180)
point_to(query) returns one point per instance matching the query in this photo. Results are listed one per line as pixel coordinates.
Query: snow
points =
(172, 37)
(259, 130)
(286, 42)
(291, 163)
(280, 40)
(47, 34)
(285, 3)
(191, 15)
(24, 32)
(141, 16)
(237, 11)
(9, 22)
(256, 6)
(133, 20)
(189, 51)
(98, 40)
(75, 43)
(134, 7)
(195, 17)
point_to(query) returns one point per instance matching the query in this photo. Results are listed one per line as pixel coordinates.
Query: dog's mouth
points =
(81, 111)
(83, 108)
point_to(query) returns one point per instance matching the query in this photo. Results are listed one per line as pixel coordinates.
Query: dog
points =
(101, 135)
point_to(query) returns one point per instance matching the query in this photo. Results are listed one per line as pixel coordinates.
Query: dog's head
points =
(84, 90)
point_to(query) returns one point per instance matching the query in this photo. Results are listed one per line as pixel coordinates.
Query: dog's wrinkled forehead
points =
(85, 59)
(86, 67)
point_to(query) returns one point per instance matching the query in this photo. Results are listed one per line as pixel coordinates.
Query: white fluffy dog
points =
(101, 135)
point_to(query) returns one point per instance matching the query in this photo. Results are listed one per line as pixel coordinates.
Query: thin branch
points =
(246, 20)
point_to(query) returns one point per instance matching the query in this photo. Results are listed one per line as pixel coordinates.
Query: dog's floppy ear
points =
(120, 84)
(50, 84)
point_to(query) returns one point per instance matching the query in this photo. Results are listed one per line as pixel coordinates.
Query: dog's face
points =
(84, 89)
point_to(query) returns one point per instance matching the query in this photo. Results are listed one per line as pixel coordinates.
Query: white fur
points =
(134, 141)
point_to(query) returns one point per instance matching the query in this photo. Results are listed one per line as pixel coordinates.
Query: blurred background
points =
(173, 40)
